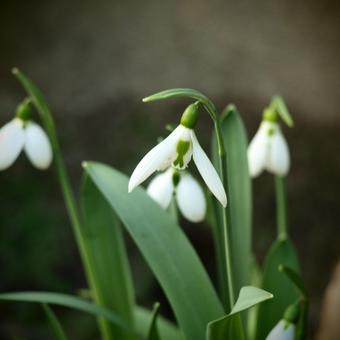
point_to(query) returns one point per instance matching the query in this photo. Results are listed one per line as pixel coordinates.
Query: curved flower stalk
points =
(268, 150)
(21, 133)
(187, 191)
(177, 150)
(282, 331)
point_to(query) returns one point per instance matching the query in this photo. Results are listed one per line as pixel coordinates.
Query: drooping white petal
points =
(37, 146)
(282, 332)
(258, 150)
(158, 158)
(161, 188)
(207, 171)
(12, 139)
(190, 199)
(278, 161)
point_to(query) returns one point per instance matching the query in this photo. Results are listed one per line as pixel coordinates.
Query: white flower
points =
(282, 331)
(18, 135)
(177, 150)
(268, 151)
(188, 193)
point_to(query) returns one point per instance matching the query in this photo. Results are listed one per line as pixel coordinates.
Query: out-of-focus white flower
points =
(177, 150)
(20, 134)
(282, 331)
(188, 193)
(269, 151)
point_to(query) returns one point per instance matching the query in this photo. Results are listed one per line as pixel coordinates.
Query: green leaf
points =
(153, 331)
(238, 192)
(165, 248)
(230, 326)
(282, 110)
(295, 278)
(67, 301)
(55, 325)
(184, 92)
(269, 314)
(167, 330)
(111, 278)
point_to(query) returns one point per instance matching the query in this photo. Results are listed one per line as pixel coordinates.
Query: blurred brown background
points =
(95, 60)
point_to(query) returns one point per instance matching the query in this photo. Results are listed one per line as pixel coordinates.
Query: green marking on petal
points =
(176, 178)
(182, 148)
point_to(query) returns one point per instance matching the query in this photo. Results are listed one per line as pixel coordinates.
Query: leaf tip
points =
(15, 70)
(85, 164)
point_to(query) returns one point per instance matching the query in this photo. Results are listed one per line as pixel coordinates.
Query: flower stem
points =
(225, 215)
(69, 198)
(281, 208)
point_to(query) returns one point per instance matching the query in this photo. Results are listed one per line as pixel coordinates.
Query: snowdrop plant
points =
(177, 150)
(184, 189)
(22, 133)
(110, 200)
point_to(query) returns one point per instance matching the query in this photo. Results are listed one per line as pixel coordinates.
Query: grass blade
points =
(55, 325)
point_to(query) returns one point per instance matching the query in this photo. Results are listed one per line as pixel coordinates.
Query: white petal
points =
(161, 188)
(258, 150)
(158, 158)
(207, 171)
(190, 199)
(278, 161)
(37, 146)
(280, 332)
(12, 138)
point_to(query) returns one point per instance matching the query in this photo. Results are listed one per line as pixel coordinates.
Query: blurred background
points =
(95, 60)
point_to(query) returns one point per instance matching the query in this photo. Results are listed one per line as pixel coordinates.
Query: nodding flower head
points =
(282, 331)
(268, 150)
(21, 133)
(177, 150)
(184, 188)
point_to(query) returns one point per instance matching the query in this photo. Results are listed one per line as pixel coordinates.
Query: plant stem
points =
(70, 202)
(281, 208)
(225, 215)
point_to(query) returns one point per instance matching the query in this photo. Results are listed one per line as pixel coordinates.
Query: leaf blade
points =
(165, 248)
(103, 239)
(230, 326)
(56, 327)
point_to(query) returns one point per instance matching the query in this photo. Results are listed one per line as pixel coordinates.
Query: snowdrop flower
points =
(177, 150)
(284, 330)
(188, 193)
(268, 150)
(21, 133)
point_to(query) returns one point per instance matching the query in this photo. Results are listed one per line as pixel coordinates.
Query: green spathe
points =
(190, 116)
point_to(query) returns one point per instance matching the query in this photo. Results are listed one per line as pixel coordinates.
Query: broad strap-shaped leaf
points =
(67, 301)
(295, 278)
(282, 252)
(111, 278)
(56, 327)
(166, 249)
(238, 193)
(230, 326)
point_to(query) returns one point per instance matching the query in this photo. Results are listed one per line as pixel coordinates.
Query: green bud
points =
(292, 313)
(270, 115)
(24, 110)
(176, 177)
(190, 116)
